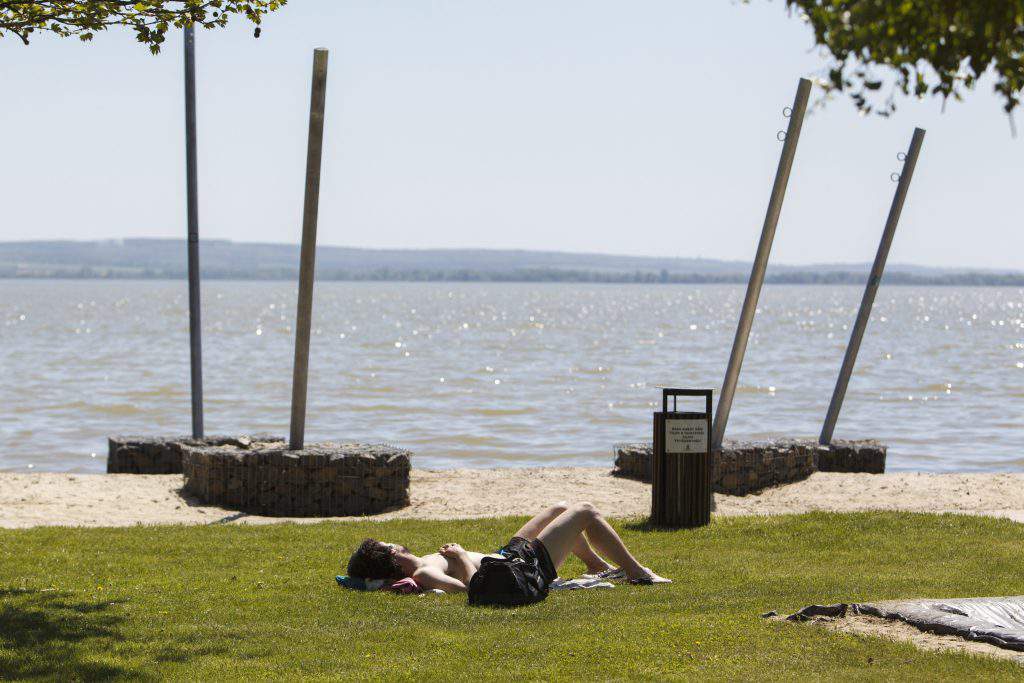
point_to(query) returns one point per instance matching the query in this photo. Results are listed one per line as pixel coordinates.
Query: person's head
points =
(376, 560)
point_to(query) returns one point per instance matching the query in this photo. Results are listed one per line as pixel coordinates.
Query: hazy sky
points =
(616, 127)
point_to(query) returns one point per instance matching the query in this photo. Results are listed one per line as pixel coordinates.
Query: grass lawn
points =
(220, 602)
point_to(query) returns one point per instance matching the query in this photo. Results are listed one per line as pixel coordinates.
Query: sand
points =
(47, 499)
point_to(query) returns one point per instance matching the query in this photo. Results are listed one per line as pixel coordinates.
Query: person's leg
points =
(532, 528)
(594, 562)
(580, 548)
(561, 534)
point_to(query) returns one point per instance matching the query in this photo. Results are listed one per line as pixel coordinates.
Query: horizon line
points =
(810, 264)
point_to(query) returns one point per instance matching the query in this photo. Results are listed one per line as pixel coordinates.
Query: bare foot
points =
(648, 578)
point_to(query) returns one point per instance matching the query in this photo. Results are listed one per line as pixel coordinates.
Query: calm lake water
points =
(475, 375)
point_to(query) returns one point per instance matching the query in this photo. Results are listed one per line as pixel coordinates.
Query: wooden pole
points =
(764, 247)
(871, 289)
(307, 258)
(195, 332)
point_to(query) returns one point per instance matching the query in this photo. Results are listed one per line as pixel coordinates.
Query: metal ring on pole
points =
(787, 111)
(901, 156)
(895, 177)
(781, 136)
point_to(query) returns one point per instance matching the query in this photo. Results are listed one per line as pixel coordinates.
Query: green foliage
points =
(150, 19)
(225, 602)
(918, 47)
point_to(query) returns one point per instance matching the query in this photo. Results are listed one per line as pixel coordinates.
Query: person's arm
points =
(430, 577)
(458, 560)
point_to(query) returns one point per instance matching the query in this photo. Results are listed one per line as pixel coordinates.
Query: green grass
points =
(222, 602)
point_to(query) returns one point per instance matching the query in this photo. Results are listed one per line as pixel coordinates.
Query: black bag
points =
(507, 582)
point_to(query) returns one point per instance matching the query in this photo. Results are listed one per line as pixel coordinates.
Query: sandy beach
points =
(60, 499)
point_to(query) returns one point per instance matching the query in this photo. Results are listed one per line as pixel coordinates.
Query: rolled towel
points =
(357, 584)
(578, 583)
(406, 586)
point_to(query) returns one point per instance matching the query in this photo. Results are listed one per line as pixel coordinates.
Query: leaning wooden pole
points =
(307, 258)
(874, 279)
(195, 330)
(764, 247)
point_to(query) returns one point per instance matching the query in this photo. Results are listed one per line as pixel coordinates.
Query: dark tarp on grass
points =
(997, 621)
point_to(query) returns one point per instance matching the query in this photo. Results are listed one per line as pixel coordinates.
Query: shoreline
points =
(61, 499)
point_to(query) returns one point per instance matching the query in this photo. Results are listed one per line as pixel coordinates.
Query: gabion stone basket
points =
(322, 480)
(162, 454)
(865, 455)
(743, 467)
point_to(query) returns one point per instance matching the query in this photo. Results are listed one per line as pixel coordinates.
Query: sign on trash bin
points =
(686, 435)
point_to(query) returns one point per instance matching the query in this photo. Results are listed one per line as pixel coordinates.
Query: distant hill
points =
(165, 258)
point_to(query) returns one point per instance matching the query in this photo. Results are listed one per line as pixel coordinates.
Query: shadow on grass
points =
(645, 524)
(57, 635)
(45, 634)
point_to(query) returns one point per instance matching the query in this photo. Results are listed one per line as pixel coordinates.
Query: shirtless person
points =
(546, 539)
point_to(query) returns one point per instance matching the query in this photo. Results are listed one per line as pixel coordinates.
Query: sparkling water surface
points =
(479, 375)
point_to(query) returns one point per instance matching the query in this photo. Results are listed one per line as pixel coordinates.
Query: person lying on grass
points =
(539, 547)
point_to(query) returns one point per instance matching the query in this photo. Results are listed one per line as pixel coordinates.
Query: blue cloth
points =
(355, 583)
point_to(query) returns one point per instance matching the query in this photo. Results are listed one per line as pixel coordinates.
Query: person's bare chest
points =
(445, 565)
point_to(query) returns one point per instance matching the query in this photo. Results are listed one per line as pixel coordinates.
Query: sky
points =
(611, 127)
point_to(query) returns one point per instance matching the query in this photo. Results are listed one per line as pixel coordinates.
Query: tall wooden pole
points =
(764, 247)
(307, 258)
(195, 332)
(871, 289)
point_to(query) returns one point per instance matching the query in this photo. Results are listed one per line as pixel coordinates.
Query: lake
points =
(483, 375)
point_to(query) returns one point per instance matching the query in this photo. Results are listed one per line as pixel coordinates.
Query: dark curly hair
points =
(374, 560)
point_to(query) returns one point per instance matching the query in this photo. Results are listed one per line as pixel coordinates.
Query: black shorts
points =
(531, 551)
(520, 576)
